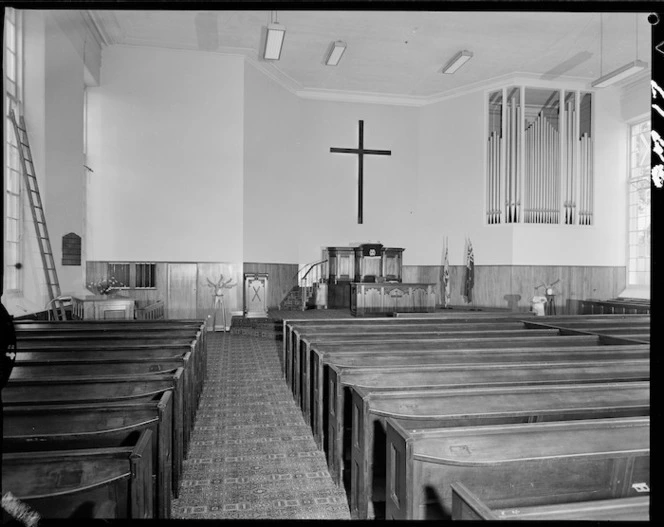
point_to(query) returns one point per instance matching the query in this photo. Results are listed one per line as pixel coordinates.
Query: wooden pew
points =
(436, 408)
(531, 464)
(329, 415)
(467, 506)
(197, 354)
(305, 343)
(57, 356)
(290, 326)
(72, 390)
(69, 324)
(113, 482)
(321, 333)
(127, 368)
(57, 335)
(454, 318)
(314, 360)
(302, 338)
(320, 355)
(199, 350)
(111, 424)
(81, 327)
(616, 305)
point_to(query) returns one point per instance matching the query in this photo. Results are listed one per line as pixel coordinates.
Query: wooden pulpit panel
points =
(392, 263)
(255, 295)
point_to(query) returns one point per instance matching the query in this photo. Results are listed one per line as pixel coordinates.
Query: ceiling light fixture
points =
(274, 40)
(335, 53)
(459, 60)
(623, 72)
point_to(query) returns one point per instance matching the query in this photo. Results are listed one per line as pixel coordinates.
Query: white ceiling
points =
(398, 53)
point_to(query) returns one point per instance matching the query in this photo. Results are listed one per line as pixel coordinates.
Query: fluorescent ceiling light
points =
(335, 52)
(274, 41)
(621, 73)
(459, 60)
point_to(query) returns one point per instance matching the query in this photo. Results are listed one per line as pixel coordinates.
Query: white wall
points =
(452, 168)
(166, 146)
(328, 186)
(635, 100)
(451, 198)
(65, 191)
(53, 110)
(272, 175)
(602, 243)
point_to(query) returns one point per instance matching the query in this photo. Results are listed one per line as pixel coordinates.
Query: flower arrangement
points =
(104, 286)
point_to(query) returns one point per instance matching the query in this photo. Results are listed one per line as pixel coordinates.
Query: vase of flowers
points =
(106, 286)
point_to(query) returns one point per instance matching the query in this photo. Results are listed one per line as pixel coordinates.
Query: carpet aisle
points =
(252, 456)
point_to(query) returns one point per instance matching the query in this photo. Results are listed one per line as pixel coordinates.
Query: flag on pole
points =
(470, 273)
(445, 283)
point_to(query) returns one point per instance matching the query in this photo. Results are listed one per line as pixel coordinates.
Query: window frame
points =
(635, 288)
(13, 197)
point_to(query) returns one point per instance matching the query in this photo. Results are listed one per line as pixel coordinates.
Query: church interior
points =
(326, 264)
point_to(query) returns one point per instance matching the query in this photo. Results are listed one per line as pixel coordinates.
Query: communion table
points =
(371, 298)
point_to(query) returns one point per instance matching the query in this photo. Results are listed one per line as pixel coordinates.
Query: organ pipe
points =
(542, 171)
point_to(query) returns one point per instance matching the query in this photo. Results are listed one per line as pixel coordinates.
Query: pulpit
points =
(255, 295)
(392, 262)
(371, 263)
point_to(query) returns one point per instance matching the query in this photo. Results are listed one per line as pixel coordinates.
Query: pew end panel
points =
(39, 428)
(85, 483)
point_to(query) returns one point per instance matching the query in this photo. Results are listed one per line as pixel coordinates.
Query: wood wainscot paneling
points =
(182, 285)
(282, 277)
(494, 283)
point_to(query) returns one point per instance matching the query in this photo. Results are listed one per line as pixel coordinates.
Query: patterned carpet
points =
(252, 456)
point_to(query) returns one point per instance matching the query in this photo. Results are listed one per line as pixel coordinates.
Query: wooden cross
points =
(361, 152)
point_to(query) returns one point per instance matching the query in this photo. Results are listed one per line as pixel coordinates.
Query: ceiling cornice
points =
(95, 29)
(109, 28)
(361, 97)
(516, 78)
(274, 73)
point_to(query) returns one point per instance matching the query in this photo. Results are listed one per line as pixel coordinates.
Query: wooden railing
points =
(309, 275)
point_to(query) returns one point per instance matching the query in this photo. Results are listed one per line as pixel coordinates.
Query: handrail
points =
(312, 267)
(312, 264)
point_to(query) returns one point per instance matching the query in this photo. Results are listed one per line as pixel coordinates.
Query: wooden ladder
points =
(55, 304)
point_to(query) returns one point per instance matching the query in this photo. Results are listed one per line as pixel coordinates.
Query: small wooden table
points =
(102, 307)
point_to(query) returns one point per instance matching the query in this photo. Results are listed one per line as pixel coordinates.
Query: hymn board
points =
(361, 152)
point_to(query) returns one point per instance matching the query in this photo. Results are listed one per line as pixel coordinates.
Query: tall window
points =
(12, 169)
(638, 252)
